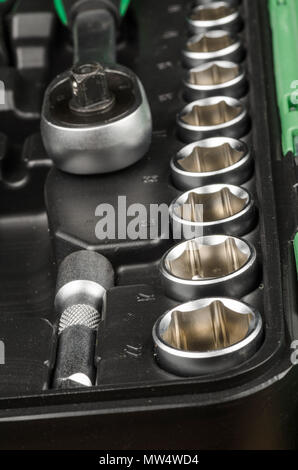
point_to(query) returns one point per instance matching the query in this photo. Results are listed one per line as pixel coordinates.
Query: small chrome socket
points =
(213, 117)
(215, 160)
(212, 45)
(214, 209)
(215, 15)
(217, 78)
(207, 336)
(215, 264)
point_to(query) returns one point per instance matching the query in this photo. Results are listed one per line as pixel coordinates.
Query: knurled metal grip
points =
(82, 281)
(79, 314)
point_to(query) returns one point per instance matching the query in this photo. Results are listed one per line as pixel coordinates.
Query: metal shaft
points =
(94, 37)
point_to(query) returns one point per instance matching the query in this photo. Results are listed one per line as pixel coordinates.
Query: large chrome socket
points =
(215, 160)
(215, 15)
(214, 209)
(207, 336)
(213, 117)
(217, 78)
(207, 266)
(212, 45)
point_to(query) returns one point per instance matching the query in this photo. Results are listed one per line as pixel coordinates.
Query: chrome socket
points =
(215, 160)
(217, 78)
(207, 336)
(215, 15)
(212, 45)
(213, 117)
(214, 209)
(207, 265)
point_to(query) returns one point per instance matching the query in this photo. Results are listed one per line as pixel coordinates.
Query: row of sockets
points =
(214, 331)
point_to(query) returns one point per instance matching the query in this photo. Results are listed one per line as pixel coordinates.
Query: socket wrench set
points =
(181, 340)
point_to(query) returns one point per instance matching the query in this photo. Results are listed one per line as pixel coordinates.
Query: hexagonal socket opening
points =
(206, 205)
(210, 328)
(211, 115)
(210, 42)
(213, 74)
(209, 259)
(210, 159)
(212, 12)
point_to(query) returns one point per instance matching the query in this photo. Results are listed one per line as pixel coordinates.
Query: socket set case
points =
(151, 390)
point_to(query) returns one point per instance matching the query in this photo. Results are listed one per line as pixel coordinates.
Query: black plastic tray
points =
(136, 404)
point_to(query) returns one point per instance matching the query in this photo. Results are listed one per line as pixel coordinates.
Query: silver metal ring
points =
(214, 209)
(215, 15)
(213, 79)
(214, 160)
(213, 117)
(207, 266)
(212, 45)
(79, 292)
(207, 336)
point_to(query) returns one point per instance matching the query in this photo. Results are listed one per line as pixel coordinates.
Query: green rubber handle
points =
(284, 26)
(59, 5)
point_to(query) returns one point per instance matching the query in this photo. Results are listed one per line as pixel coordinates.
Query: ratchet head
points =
(96, 119)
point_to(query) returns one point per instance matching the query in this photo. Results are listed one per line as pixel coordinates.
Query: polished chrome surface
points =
(201, 261)
(215, 78)
(212, 45)
(213, 117)
(214, 73)
(208, 265)
(216, 15)
(79, 292)
(211, 159)
(211, 114)
(213, 209)
(214, 160)
(207, 336)
(207, 328)
(218, 201)
(213, 12)
(97, 147)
